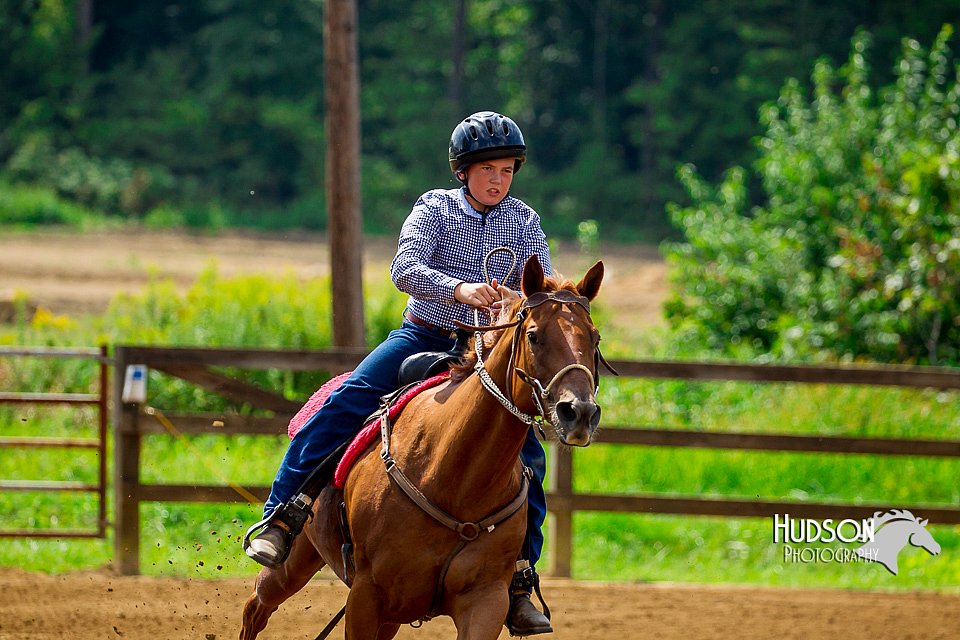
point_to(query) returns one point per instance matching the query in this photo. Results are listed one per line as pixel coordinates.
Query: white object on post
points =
(135, 384)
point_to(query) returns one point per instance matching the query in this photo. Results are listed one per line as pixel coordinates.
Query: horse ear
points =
(532, 281)
(590, 285)
(923, 523)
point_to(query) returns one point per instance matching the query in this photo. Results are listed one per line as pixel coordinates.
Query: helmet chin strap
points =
(484, 209)
(462, 177)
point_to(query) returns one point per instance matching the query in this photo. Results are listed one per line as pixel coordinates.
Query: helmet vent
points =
(473, 133)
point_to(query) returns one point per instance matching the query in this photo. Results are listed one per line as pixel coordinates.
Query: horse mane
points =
(463, 369)
(893, 515)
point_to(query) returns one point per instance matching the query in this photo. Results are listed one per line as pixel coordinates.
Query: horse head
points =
(556, 354)
(922, 538)
(893, 530)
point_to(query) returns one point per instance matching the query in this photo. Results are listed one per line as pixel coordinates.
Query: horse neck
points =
(891, 537)
(482, 444)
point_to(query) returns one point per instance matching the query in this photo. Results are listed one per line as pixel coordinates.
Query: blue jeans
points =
(342, 416)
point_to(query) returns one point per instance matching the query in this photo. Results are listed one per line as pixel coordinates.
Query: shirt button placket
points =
(484, 245)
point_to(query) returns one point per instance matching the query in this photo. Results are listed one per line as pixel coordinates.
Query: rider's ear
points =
(532, 281)
(590, 285)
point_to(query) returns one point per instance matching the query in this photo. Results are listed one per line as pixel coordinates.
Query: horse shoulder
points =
(423, 419)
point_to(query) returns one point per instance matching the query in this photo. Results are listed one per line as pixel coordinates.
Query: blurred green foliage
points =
(854, 250)
(214, 109)
(28, 206)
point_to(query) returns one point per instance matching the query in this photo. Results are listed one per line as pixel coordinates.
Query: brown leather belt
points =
(429, 326)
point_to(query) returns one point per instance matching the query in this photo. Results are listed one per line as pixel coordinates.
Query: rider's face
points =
(489, 181)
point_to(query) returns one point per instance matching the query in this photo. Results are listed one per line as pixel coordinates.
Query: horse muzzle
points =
(576, 420)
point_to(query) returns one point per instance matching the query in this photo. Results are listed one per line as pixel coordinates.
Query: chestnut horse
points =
(459, 444)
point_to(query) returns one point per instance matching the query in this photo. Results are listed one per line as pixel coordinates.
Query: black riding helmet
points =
(486, 135)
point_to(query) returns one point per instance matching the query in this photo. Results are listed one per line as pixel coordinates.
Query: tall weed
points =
(281, 312)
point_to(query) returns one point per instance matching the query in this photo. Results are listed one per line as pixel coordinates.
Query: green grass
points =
(203, 540)
(654, 548)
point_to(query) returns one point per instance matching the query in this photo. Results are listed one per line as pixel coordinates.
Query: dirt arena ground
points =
(95, 606)
(72, 274)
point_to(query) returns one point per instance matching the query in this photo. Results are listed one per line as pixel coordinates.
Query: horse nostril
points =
(567, 412)
(595, 418)
(578, 411)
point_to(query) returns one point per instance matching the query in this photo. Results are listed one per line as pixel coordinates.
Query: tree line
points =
(851, 246)
(211, 111)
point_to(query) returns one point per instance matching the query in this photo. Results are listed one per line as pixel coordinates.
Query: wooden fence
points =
(194, 365)
(97, 398)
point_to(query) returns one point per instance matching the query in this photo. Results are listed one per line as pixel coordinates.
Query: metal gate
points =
(97, 398)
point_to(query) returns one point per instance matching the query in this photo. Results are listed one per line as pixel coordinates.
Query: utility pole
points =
(83, 21)
(459, 54)
(342, 125)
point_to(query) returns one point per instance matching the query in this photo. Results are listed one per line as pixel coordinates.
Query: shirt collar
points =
(468, 209)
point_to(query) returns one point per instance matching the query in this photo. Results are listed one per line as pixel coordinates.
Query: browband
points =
(562, 296)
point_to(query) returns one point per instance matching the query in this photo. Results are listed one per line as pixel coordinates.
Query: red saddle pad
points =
(370, 431)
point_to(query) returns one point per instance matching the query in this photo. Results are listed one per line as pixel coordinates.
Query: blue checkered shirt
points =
(443, 242)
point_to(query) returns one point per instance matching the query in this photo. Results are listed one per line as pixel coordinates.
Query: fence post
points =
(562, 508)
(103, 424)
(126, 484)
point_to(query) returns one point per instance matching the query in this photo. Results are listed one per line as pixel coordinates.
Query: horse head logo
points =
(892, 531)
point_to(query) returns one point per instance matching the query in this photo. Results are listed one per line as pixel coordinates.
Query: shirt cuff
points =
(446, 288)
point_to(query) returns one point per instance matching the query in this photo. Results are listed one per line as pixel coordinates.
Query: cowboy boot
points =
(272, 545)
(523, 618)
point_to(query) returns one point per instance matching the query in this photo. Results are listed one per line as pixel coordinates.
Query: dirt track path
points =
(94, 606)
(80, 273)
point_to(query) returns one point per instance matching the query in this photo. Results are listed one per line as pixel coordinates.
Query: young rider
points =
(439, 262)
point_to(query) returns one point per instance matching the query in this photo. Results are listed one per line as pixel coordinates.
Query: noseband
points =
(539, 392)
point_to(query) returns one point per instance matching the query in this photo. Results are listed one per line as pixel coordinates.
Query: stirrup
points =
(294, 514)
(525, 582)
(527, 579)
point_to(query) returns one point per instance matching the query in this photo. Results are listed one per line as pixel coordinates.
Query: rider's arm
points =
(418, 241)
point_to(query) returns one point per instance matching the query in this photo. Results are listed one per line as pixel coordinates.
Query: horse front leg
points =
(275, 586)
(479, 615)
(363, 620)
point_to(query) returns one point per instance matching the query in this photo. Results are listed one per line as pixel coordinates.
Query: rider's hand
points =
(477, 294)
(508, 297)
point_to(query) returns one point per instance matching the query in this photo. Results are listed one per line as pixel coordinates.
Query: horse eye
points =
(532, 336)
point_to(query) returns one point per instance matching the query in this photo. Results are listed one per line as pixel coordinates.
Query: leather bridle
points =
(539, 391)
